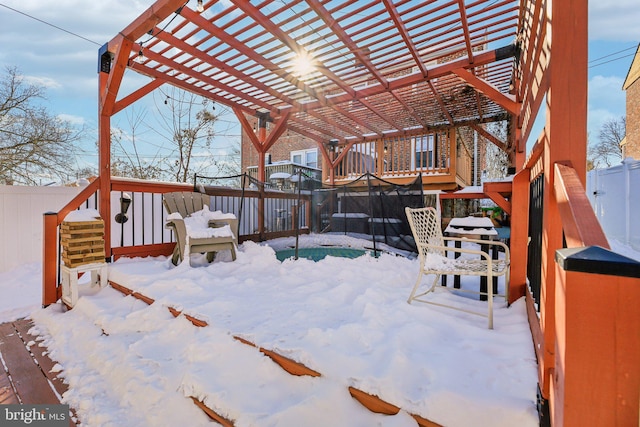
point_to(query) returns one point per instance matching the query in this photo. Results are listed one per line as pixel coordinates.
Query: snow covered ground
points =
(131, 364)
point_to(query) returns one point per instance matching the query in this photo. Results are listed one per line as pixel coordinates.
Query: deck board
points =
(39, 354)
(7, 395)
(30, 383)
(25, 376)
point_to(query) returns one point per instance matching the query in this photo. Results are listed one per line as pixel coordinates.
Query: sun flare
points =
(303, 65)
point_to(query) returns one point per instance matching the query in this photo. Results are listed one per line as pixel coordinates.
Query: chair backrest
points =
(185, 202)
(426, 229)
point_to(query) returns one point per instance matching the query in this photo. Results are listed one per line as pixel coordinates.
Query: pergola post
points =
(262, 173)
(104, 160)
(566, 128)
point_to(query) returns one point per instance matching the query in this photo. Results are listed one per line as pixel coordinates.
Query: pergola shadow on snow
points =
(386, 68)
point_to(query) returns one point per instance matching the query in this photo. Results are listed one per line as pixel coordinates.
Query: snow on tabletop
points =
(81, 215)
(480, 225)
(471, 221)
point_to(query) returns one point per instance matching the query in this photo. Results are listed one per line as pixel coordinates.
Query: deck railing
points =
(596, 320)
(534, 260)
(262, 214)
(396, 157)
(579, 296)
(314, 175)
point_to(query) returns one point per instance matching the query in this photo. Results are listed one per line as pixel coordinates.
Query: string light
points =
(140, 58)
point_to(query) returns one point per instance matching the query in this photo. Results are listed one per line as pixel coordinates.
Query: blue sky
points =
(67, 64)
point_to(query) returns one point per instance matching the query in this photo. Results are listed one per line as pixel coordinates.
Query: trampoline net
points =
(367, 207)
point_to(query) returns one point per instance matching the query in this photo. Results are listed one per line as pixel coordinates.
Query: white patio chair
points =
(432, 246)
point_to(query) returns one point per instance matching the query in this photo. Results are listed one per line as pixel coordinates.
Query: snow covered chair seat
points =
(432, 247)
(196, 228)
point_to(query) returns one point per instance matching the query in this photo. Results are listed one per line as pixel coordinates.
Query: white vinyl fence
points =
(21, 221)
(615, 196)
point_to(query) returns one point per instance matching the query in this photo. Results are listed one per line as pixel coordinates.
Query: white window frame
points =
(303, 155)
(425, 145)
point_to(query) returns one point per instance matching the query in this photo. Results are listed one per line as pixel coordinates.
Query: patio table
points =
(479, 228)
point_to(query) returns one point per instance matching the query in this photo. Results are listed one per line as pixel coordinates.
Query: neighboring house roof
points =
(634, 70)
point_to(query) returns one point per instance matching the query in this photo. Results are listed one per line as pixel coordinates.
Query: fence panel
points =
(21, 210)
(614, 194)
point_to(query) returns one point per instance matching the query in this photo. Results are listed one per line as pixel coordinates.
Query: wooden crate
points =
(82, 242)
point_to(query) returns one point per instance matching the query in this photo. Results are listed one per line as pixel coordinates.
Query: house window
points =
(423, 152)
(307, 158)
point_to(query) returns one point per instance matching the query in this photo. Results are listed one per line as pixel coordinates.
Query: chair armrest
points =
(231, 222)
(457, 250)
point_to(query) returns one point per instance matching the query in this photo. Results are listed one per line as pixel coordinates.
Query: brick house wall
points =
(632, 146)
(631, 86)
(280, 151)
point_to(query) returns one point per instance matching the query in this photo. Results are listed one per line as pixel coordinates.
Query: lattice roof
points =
(380, 67)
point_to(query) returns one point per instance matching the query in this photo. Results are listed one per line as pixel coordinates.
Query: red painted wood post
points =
(49, 258)
(519, 235)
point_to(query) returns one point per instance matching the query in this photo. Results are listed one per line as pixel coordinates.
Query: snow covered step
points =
(289, 365)
(148, 300)
(125, 355)
(371, 402)
(243, 387)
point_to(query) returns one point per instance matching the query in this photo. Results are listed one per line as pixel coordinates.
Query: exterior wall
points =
(632, 147)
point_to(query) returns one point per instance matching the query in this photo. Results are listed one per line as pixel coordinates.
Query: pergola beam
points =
(489, 90)
(490, 137)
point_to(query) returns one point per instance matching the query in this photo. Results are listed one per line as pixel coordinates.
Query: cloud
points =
(46, 82)
(607, 92)
(74, 120)
(606, 101)
(614, 20)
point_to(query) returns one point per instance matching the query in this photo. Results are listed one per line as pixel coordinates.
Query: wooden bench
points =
(186, 203)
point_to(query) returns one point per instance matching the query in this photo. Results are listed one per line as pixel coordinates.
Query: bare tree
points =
(607, 150)
(34, 145)
(176, 142)
(187, 124)
(129, 155)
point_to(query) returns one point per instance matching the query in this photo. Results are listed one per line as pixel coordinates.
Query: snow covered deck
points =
(128, 361)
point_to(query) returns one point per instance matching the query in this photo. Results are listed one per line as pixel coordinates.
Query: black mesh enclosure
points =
(372, 208)
(368, 207)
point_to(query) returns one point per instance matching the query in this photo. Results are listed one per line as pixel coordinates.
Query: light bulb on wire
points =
(200, 7)
(140, 58)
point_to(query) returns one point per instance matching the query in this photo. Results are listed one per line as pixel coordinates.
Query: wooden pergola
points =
(375, 69)
(383, 68)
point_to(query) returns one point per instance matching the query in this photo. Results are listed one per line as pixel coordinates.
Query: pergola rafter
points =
(381, 68)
